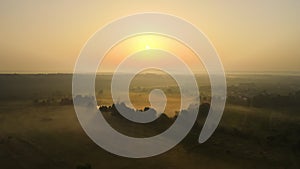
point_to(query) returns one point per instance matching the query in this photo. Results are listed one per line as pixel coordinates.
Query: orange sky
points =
(46, 36)
(149, 42)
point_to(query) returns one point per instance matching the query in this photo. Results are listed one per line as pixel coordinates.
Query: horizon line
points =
(110, 73)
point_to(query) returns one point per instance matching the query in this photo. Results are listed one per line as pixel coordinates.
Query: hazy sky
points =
(46, 36)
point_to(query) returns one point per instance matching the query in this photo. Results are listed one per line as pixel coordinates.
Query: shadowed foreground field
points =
(50, 137)
(260, 127)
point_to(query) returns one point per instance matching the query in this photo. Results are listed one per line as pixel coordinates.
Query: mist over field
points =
(259, 129)
(170, 49)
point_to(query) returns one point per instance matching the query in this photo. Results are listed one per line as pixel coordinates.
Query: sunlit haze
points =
(47, 36)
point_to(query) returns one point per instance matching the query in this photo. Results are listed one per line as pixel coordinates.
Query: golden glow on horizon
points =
(46, 36)
(147, 42)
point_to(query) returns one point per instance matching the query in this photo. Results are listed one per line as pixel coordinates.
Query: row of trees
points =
(114, 111)
(265, 99)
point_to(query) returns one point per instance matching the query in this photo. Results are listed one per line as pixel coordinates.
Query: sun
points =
(147, 47)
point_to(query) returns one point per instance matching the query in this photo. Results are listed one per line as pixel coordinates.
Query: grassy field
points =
(49, 136)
